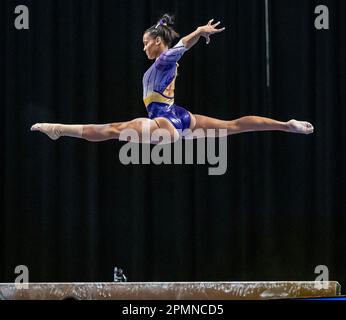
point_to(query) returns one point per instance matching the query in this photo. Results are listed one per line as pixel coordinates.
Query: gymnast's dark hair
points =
(164, 29)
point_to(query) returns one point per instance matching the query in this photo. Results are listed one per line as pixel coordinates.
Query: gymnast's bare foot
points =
(50, 129)
(296, 126)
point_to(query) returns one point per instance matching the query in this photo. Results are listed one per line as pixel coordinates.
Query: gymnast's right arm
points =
(202, 31)
(171, 56)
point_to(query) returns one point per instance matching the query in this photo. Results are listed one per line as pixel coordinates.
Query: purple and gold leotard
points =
(159, 85)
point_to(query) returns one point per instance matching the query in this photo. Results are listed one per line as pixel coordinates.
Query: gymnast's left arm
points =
(203, 31)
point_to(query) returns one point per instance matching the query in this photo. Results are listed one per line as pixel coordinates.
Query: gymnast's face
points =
(152, 46)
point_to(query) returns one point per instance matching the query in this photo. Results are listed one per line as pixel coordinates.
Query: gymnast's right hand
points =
(209, 29)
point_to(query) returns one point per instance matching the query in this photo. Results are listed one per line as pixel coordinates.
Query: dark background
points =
(71, 211)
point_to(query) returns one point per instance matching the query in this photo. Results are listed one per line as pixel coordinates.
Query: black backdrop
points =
(71, 211)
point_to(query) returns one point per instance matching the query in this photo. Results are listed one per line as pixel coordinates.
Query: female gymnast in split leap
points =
(158, 96)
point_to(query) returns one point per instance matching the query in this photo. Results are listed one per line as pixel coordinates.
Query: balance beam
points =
(170, 290)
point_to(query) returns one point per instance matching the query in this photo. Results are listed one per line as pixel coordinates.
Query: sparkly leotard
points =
(159, 85)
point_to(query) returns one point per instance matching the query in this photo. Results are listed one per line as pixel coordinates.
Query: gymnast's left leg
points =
(148, 131)
(92, 132)
(251, 123)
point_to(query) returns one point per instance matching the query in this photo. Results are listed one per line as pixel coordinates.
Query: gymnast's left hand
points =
(209, 29)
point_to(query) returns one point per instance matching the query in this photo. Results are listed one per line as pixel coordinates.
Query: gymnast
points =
(158, 96)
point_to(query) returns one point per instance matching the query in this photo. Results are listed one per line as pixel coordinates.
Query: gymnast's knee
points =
(117, 127)
(232, 126)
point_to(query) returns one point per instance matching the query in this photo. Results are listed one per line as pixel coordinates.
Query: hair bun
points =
(164, 29)
(168, 19)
